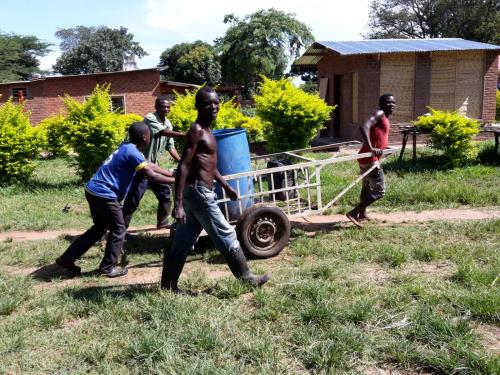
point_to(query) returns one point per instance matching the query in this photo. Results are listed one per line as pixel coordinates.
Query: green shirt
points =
(158, 145)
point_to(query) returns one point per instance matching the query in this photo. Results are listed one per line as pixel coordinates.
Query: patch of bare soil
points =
(489, 336)
(371, 273)
(439, 269)
(52, 276)
(382, 371)
(309, 224)
(54, 234)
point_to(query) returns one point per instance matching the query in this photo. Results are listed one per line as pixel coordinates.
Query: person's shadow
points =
(52, 272)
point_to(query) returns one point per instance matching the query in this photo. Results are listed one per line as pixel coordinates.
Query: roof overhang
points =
(313, 55)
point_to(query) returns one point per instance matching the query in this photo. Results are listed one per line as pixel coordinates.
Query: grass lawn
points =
(413, 298)
(39, 203)
(417, 298)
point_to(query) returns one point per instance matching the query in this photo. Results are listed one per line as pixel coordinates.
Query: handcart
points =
(279, 191)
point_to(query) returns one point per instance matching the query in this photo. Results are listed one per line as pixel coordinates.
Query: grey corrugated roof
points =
(405, 45)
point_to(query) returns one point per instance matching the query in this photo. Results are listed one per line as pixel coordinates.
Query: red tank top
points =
(379, 137)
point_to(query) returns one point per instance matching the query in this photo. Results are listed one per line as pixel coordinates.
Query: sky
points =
(159, 24)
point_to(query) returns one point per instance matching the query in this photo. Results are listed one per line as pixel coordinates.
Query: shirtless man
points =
(195, 205)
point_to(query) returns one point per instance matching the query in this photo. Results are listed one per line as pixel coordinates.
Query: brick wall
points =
(139, 87)
(368, 68)
(490, 85)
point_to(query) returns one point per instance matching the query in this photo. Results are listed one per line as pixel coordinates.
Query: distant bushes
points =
(183, 114)
(90, 129)
(19, 143)
(93, 131)
(51, 131)
(451, 133)
(295, 115)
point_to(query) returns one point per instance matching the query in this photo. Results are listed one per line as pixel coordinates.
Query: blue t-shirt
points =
(113, 178)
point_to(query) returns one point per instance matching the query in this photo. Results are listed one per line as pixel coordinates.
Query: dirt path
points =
(309, 223)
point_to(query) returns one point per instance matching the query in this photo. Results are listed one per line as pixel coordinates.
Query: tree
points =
(95, 49)
(260, 43)
(194, 62)
(18, 56)
(477, 20)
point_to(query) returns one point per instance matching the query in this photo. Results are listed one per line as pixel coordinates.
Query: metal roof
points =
(405, 45)
(43, 78)
(362, 47)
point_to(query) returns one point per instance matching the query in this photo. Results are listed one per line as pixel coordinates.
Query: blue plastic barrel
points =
(233, 156)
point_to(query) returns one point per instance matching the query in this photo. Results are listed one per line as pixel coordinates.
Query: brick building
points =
(445, 74)
(134, 91)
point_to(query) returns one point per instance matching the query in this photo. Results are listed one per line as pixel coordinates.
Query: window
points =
(18, 91)
(118, 103)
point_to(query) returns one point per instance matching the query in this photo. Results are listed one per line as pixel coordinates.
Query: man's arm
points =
(365, 131)
(192, 138)
(173, 152)
(169, 133)
(157, 174)
(230, 192)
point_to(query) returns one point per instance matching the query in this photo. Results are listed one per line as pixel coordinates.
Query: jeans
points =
(202, 212)
(373, 184)
(106, 214)
(136, 192)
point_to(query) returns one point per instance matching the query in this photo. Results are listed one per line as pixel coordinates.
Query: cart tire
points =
(263, 231)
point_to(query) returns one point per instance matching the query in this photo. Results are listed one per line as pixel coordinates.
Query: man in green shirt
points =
(162, 134)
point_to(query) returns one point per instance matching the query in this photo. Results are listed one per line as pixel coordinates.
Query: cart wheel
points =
(263, 231)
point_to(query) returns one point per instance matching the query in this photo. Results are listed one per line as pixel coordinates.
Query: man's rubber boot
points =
(238, 265)
(162, 214)
(172, 269)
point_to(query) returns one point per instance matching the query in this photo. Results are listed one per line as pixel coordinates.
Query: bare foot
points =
(354, 219)
(364, 218)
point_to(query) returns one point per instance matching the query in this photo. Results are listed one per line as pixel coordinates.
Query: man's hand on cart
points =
(377, 151)
(231, 193)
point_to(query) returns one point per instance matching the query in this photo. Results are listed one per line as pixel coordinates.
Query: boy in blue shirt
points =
(104, 192)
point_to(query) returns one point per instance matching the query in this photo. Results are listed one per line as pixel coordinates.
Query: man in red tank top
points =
(375, 133)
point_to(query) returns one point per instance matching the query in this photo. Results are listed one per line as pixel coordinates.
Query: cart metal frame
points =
(306, 181)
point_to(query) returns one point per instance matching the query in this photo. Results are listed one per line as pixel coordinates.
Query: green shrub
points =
(294, 115)
(497, 117)
(93, 130)
(451, 133)
(19, 144)
(53, 130)
(183, 114)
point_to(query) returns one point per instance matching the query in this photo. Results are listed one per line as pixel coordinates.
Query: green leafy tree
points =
(294, 115)
(183, 113)
(469, 19)
(261, 43)
(451, 133)
(95, 49)
(19, 56)
(93, 131)
(194, 62)
(19, 144)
